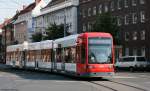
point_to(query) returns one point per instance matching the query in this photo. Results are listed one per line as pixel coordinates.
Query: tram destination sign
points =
(100, 41)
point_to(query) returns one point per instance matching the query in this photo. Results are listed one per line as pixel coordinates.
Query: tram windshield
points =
(100, 50)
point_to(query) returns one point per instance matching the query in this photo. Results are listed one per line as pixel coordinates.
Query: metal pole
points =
(5, 46)
(65, 20)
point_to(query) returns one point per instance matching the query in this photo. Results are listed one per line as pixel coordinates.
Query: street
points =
(23, 80)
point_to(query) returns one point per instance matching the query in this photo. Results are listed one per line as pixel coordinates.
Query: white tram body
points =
(39, 54)
(63, 45)
(14, 55)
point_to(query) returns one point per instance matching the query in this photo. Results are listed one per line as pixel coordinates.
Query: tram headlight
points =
(111, 66)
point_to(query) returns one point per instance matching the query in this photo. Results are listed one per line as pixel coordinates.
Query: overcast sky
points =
(8, 7)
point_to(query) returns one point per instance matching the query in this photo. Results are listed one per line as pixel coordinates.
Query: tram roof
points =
(18, 47)
(41, 45)
(67, 41)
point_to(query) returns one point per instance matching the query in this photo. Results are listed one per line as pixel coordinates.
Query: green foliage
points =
(37, 37)
(52, 32)
(55, 31)
(105, 22)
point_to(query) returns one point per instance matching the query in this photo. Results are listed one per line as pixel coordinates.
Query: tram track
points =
(116, 86)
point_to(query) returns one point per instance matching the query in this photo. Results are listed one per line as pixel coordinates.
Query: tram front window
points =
(100, 51)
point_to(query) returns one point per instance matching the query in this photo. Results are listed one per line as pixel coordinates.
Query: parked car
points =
(132, 63)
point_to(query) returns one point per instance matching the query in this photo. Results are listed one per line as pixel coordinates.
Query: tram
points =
(84, 55)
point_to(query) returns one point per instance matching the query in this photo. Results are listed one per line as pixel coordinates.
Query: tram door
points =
(81, 59)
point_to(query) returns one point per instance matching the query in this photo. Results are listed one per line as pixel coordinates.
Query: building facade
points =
(24, 23)
(133, 20)
(7, 37)
(58, 12)
(1, 25)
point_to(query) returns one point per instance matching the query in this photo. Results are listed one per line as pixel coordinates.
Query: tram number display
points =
(100, 41)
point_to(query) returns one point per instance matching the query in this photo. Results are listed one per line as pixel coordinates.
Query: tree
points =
(105, 22)
(55, 31)
(37, 37)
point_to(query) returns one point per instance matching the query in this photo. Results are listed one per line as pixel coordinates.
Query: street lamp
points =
(25, 48)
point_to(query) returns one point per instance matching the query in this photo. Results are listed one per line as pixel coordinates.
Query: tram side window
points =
(67, 55)
(34, 57)
(27, 55)
(83, 54)
(73, 52)
(70, 55)
(38, 55)
(43, 55)
(49, 55)
(33, 54)
(58, 55)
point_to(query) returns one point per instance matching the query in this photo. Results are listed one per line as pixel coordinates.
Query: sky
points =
(8, 7)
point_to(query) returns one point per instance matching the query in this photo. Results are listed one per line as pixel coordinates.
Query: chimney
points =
(37, 1)
(24, 6)
(17, 11)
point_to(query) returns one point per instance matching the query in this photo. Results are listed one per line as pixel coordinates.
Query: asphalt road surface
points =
(24, 80)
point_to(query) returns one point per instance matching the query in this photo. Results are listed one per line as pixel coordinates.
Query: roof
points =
(6, 22)
(54, 2)
(16, 16)
(28, 8)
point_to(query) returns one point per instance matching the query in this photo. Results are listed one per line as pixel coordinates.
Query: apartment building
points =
(133, 20)
(58, 12)
(23, 26)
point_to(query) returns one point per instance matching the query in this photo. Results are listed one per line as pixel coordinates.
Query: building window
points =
(134, 18)
(126, 19)
(134, 51)
(119, 21)
(84, 27)
(143, 51)
(106, 7)
(134, 2)
(142, 35)
(142, 14)
(89, 26)
(89, 11)
(134, 35)
(94, 10)
(83, 13)
(112, 6)
(142, 1)
(126, 51)
(127, 36)
(119, 4)
(126, 3)
(100, 9)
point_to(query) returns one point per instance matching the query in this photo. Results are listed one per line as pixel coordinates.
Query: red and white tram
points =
(84, 55)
